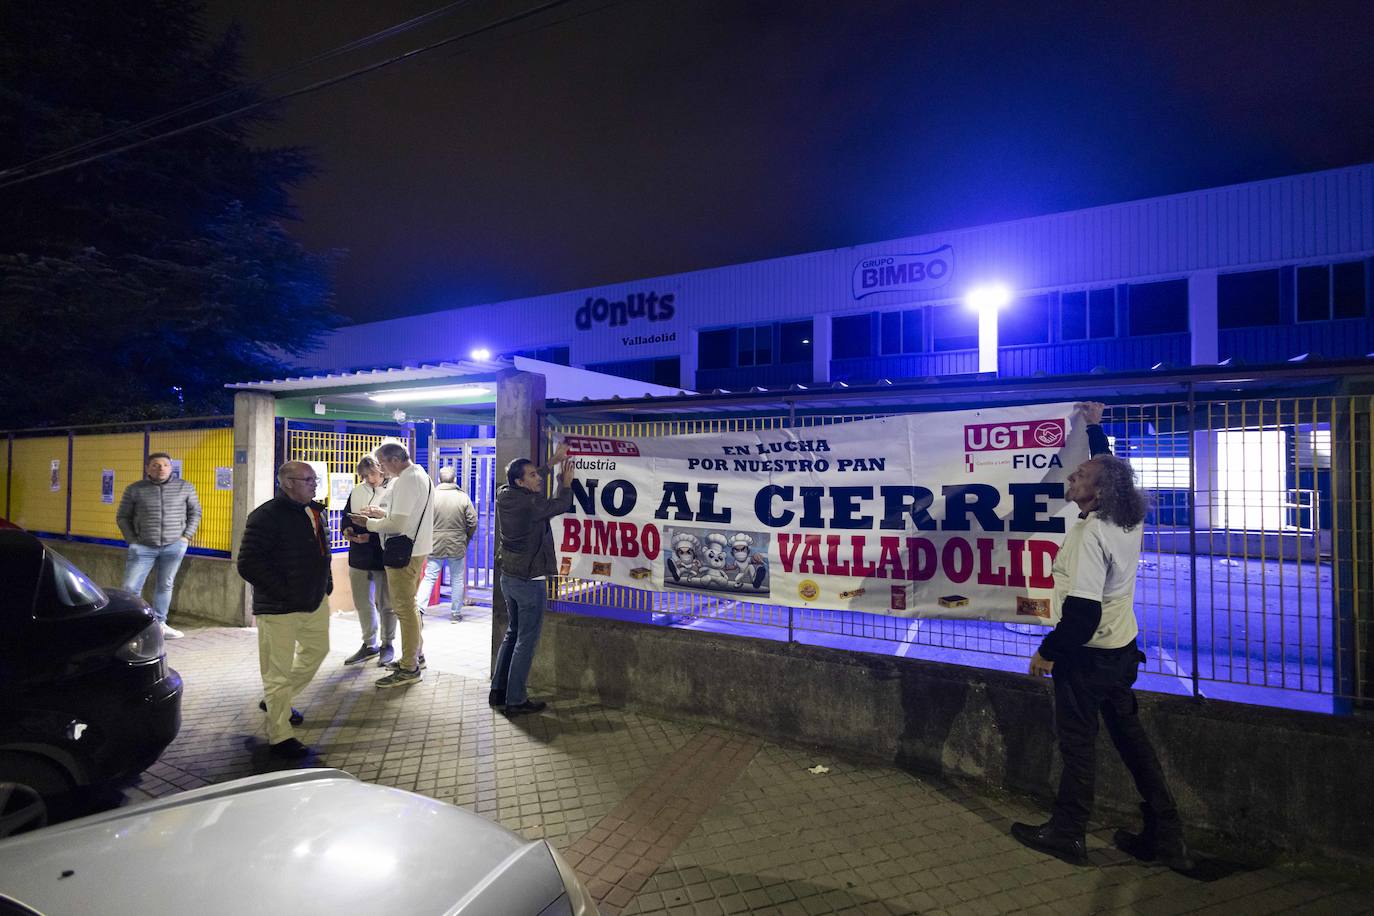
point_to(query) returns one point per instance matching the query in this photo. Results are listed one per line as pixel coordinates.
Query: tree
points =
(137, 285)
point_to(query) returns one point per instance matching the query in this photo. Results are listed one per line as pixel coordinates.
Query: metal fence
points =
(1254, 579)
(474, 461)
(335, 452)
(68, 483)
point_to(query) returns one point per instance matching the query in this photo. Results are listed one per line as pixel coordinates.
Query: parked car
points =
(87, 696)
(297, 841)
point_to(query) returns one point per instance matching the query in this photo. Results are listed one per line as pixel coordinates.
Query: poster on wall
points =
(321, 471)
(176, 469)
(957, 514)
(340, 486)
(107, 477)
(55, 475)
(224, 478)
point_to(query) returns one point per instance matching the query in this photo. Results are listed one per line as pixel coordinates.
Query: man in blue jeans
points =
(526, 558)
(158, 516)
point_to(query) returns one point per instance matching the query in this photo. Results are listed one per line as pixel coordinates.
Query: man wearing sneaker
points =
(455, 522)
(526, 557)
(408, 513)
(1092, 655)
(366, 573)
(285, 555)
(158, 516)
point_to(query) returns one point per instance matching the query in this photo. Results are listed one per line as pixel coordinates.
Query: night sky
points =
(647, 137)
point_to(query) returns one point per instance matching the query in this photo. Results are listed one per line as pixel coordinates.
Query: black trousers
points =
(1092, 682)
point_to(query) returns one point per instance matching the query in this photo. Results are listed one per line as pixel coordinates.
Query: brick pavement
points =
(665, 817)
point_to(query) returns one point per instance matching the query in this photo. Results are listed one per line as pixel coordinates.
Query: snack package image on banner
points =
(955, 514)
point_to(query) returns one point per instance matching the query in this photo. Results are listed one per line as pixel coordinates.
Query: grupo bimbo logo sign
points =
(904, 272)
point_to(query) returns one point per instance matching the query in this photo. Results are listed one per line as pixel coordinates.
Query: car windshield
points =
(72, 587)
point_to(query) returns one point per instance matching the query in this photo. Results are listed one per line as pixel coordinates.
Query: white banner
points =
(954, 514)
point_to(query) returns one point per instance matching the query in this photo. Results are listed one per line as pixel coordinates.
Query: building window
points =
(1248, 300)
(665, 371)
(852, 336)
(1087, 314)
(716, 349)
(754, 345)
(902, 332)
(795, 338)
(556, 355)
(1157, 308)
(1024, 321)
(955, 327)
(1348, 290)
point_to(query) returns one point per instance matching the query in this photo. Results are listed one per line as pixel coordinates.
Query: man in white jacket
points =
(410, 513)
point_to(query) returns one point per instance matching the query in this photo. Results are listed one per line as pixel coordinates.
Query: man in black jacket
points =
(525, 555)
(285, 556)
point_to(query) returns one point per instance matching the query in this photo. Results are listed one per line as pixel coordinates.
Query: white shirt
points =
(1098, 561)
(405, 502)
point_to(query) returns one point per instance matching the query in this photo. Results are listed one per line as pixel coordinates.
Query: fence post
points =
(1192, 530)
(71, 448)
(9, 471)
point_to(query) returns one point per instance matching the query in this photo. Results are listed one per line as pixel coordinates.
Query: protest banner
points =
(954, 514)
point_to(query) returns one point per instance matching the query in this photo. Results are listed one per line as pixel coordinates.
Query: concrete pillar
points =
(820, 348)
(1202, 317)
(255, 468)
(518, 396)
(687, 362)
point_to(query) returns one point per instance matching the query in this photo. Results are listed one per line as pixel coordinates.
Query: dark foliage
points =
(136, 286)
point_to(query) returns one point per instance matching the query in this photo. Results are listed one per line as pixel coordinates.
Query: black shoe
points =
(496, 698)
(290, 749)
(528, 706)
(297, 717)
(1048, 838)
(1154, 843)
(386, 656)
(1170, 852)
(362, 655)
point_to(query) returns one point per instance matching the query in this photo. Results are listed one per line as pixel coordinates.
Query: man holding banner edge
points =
(1093, 656)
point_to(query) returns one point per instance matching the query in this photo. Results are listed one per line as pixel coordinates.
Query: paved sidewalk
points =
(669, 817)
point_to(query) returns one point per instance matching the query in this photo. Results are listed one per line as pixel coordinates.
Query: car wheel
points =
(30, 788)
(21, 809)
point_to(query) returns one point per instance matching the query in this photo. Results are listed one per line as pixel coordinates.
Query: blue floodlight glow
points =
(988, 297)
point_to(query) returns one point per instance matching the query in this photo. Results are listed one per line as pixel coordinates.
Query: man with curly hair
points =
(1092, 656)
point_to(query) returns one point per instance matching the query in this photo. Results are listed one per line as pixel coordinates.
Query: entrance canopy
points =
(449, 392)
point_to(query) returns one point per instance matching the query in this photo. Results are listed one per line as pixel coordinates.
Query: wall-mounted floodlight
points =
(987, 301)
(481, 354)
(447, 392)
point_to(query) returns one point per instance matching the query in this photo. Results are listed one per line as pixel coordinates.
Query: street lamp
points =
(987, 300)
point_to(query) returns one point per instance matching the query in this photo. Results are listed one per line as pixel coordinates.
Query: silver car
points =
(298, 841)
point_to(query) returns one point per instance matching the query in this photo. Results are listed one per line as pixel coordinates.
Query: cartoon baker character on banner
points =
(715, 552)
(746, 567)
(684, 564)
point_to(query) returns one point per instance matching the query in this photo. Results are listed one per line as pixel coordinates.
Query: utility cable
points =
(245, 109)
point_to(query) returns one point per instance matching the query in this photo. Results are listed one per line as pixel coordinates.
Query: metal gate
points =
(475, 462)
(339, 451)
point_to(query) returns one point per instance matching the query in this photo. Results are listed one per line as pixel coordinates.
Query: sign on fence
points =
(956, 514)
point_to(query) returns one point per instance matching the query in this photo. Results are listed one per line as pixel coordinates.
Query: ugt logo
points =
(990, 437)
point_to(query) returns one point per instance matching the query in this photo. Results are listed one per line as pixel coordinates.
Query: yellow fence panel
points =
(4, 477)
(102, 466)
(206, 458)
(340, 453)
(38, 487)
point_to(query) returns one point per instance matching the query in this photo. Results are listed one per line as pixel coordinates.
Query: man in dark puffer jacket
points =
(285, 556)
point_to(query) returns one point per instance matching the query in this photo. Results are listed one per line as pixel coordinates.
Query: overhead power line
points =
(258, 84)
(284, 96)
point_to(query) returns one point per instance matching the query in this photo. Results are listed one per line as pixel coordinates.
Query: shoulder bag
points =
(397, 549)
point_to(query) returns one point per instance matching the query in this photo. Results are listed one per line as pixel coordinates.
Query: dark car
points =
(87, 696)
